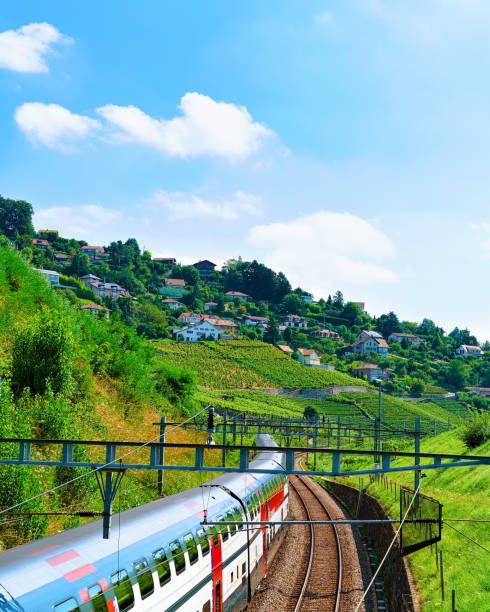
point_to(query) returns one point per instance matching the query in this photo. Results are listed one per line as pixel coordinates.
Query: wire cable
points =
(63, 484)
(387, 552)
(470, 539)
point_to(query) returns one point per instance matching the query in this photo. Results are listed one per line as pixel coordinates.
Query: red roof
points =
(92, 248)
(91, 307)
(285, 348)
(236, 294)
(174, 282)
(307, 352)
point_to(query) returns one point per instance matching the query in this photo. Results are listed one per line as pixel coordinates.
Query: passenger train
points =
(160, 556)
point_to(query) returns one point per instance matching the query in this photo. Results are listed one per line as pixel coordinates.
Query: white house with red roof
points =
(309, 357)
(468, 350)
(172, 304)
(204, 330)
(410, 338)
(295, 321)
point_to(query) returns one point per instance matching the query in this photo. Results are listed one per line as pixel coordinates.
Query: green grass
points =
(248, 364)
(464, 493)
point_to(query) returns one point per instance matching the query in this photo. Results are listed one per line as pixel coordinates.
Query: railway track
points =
(319, 588)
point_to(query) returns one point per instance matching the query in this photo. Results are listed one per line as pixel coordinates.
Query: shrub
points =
(42, 353)
(476, 431)
(175, 383)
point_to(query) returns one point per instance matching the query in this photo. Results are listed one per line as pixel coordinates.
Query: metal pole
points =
(223, 450)
(161, 455)
(442, 573)
(417, 450)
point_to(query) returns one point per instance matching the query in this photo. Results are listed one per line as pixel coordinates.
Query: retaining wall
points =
(399, 590)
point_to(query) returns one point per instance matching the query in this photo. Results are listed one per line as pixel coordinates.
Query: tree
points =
(271, 335)
(338, 300)
(80, 265)
(15, 218)
(352, 313)
(387, 324)
(456, 374)
(293, 304)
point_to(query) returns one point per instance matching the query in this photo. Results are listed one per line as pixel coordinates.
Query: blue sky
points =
(344, 143)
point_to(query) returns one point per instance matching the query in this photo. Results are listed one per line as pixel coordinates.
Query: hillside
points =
(461, 491)
(106, 385)
(248, 364)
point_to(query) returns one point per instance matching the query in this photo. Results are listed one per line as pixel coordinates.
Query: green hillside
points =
(463, 492)
(248, 363)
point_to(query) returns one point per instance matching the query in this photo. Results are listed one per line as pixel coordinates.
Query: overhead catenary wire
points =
(388, 551)
(109, 463)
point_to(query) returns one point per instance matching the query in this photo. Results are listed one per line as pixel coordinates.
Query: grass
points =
(248, 364)
(464, 493)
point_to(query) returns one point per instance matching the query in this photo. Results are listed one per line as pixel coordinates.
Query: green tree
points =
(338, 300)
(15, 218)
(456, 374)
(293, 304)
(271, 334)
(42, 355)
(80, 265)
(386, 324)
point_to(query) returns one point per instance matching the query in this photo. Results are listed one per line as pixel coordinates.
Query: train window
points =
(229, 517)
(244, 568)
(238, 517)
(97, 599)
(223, 529)
(163, 566)
(145, 578)
(123, 589)
(250, 506)
(256, 504)
(201, 534)
(191, 546)
(69, 605)
(178, 555)
(206, 607)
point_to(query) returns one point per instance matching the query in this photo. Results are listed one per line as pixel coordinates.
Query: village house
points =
(368, 342)
(174, 283)
(308, 357)
(410, 338)
(223, 325)
(198, 331)
(237, 294)
(479, 391)
(285, 349)
(189, 317)
(61, 257)
(205, 268)
(103, 289)
(52, 277)
(371, 371)
(468, 350)
(40, 243)
(327, 333)
(209, 306)
(295, 321)
(95, 309)
(95, 253)
(173, 304)
(255, 321)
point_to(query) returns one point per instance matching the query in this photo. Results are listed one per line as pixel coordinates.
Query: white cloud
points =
(23, 50)
(207, 127)
(87, 222)
(53, 125)
(326, 250)
(189, 206)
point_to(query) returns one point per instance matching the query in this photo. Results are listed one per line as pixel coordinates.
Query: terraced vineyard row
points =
(257, 402)
(245, 363)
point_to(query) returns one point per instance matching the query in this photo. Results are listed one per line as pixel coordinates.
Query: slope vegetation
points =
(248, 363)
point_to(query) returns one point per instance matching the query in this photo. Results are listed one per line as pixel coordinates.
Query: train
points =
(160, 555)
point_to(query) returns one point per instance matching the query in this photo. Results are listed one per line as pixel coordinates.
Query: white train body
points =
(161, 558)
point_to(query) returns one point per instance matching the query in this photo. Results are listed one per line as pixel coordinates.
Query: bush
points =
(42, 354)
(476, 431)
(175, 383)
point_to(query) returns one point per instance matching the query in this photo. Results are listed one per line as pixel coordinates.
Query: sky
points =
(345, 143)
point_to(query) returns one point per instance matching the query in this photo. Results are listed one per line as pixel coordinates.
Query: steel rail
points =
(312, 545)
(337, 541)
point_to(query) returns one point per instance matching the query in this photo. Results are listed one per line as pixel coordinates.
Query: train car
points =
(160, 556)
